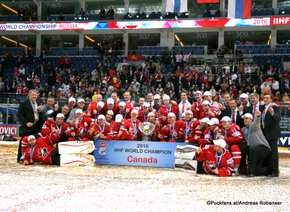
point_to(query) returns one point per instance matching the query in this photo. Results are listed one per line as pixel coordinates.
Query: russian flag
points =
(176, 6)
(239, 8)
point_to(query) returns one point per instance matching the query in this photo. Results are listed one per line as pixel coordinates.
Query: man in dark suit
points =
(30, 117)
(234, 113)
(271, 129)
(255, 105)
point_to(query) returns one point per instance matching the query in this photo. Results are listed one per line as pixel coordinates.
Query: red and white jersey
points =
(163, 112)
(190, 128)
(62, 129)
(115, 108)
(123, 129)
(173, 132)
(81, 127)
(224, 162)
(142, 116)
(105, 129)
(203, 114)
(41, 152)
(232, 135)
(157, 129)
(196, 107)
(50, 139)
(91, 108)
(208, 136)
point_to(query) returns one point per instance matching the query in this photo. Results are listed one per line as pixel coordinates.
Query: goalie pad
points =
(186, 164)
(73, 147)
(185, 152)
(77, 160)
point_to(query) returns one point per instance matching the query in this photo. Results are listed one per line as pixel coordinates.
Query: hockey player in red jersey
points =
(59, 125)
(207, 111)
(210, 133)
(137, 135)
(217, 160)
(99, 129)
(40, 150)
(151, 118)
(199, 131)
(166, 108)
(143, 113)
(79, 130)
(122, 129)
(173, 131)
(196, 107)
(190, 126)
(233, 136)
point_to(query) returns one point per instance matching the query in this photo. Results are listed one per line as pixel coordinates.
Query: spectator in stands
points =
(82, 13)
(61, 17)
(111, 13)
(102, 13)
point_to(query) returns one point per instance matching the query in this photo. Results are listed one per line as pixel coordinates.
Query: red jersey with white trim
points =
(190, 128)
(196, 107)
(81, 127)
(41, 152)
(122, 131)
(62, 129)
(173, 132)
(224, 162)
(232, 135)
(105, 129)
(204, 114)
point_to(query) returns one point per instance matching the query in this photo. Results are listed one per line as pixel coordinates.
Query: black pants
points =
(55, 157)
(257, 156)
(273, 158)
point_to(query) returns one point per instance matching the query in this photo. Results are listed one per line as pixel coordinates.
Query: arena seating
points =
(262, 12)
(194, 50)
(10, 18)
(151, 50)
(11, 50)
(283, 48)
(284, 11)
(255, 49)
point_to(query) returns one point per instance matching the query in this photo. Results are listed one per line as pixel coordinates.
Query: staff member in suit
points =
(258, 145)
(271, 129)
(255, 105)
(234, 113)
(30, 116)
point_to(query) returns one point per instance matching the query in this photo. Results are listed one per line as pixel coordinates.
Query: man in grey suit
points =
(258, 145)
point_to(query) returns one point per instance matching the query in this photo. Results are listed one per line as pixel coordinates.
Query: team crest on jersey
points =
(43, 152)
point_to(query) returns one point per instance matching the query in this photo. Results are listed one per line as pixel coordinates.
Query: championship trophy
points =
(146, 128)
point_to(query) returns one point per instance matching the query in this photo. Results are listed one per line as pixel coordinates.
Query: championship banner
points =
(160, 24)
(139, 153)
(7, 132)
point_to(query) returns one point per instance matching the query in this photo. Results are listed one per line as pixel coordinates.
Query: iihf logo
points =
(102, 149)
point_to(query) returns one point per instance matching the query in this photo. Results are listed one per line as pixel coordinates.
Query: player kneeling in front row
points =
(217, 160)
(40, 150)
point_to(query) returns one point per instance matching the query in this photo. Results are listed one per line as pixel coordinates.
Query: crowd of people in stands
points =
(64, 80)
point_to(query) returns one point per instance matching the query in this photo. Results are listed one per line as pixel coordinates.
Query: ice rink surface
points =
(117, 188)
